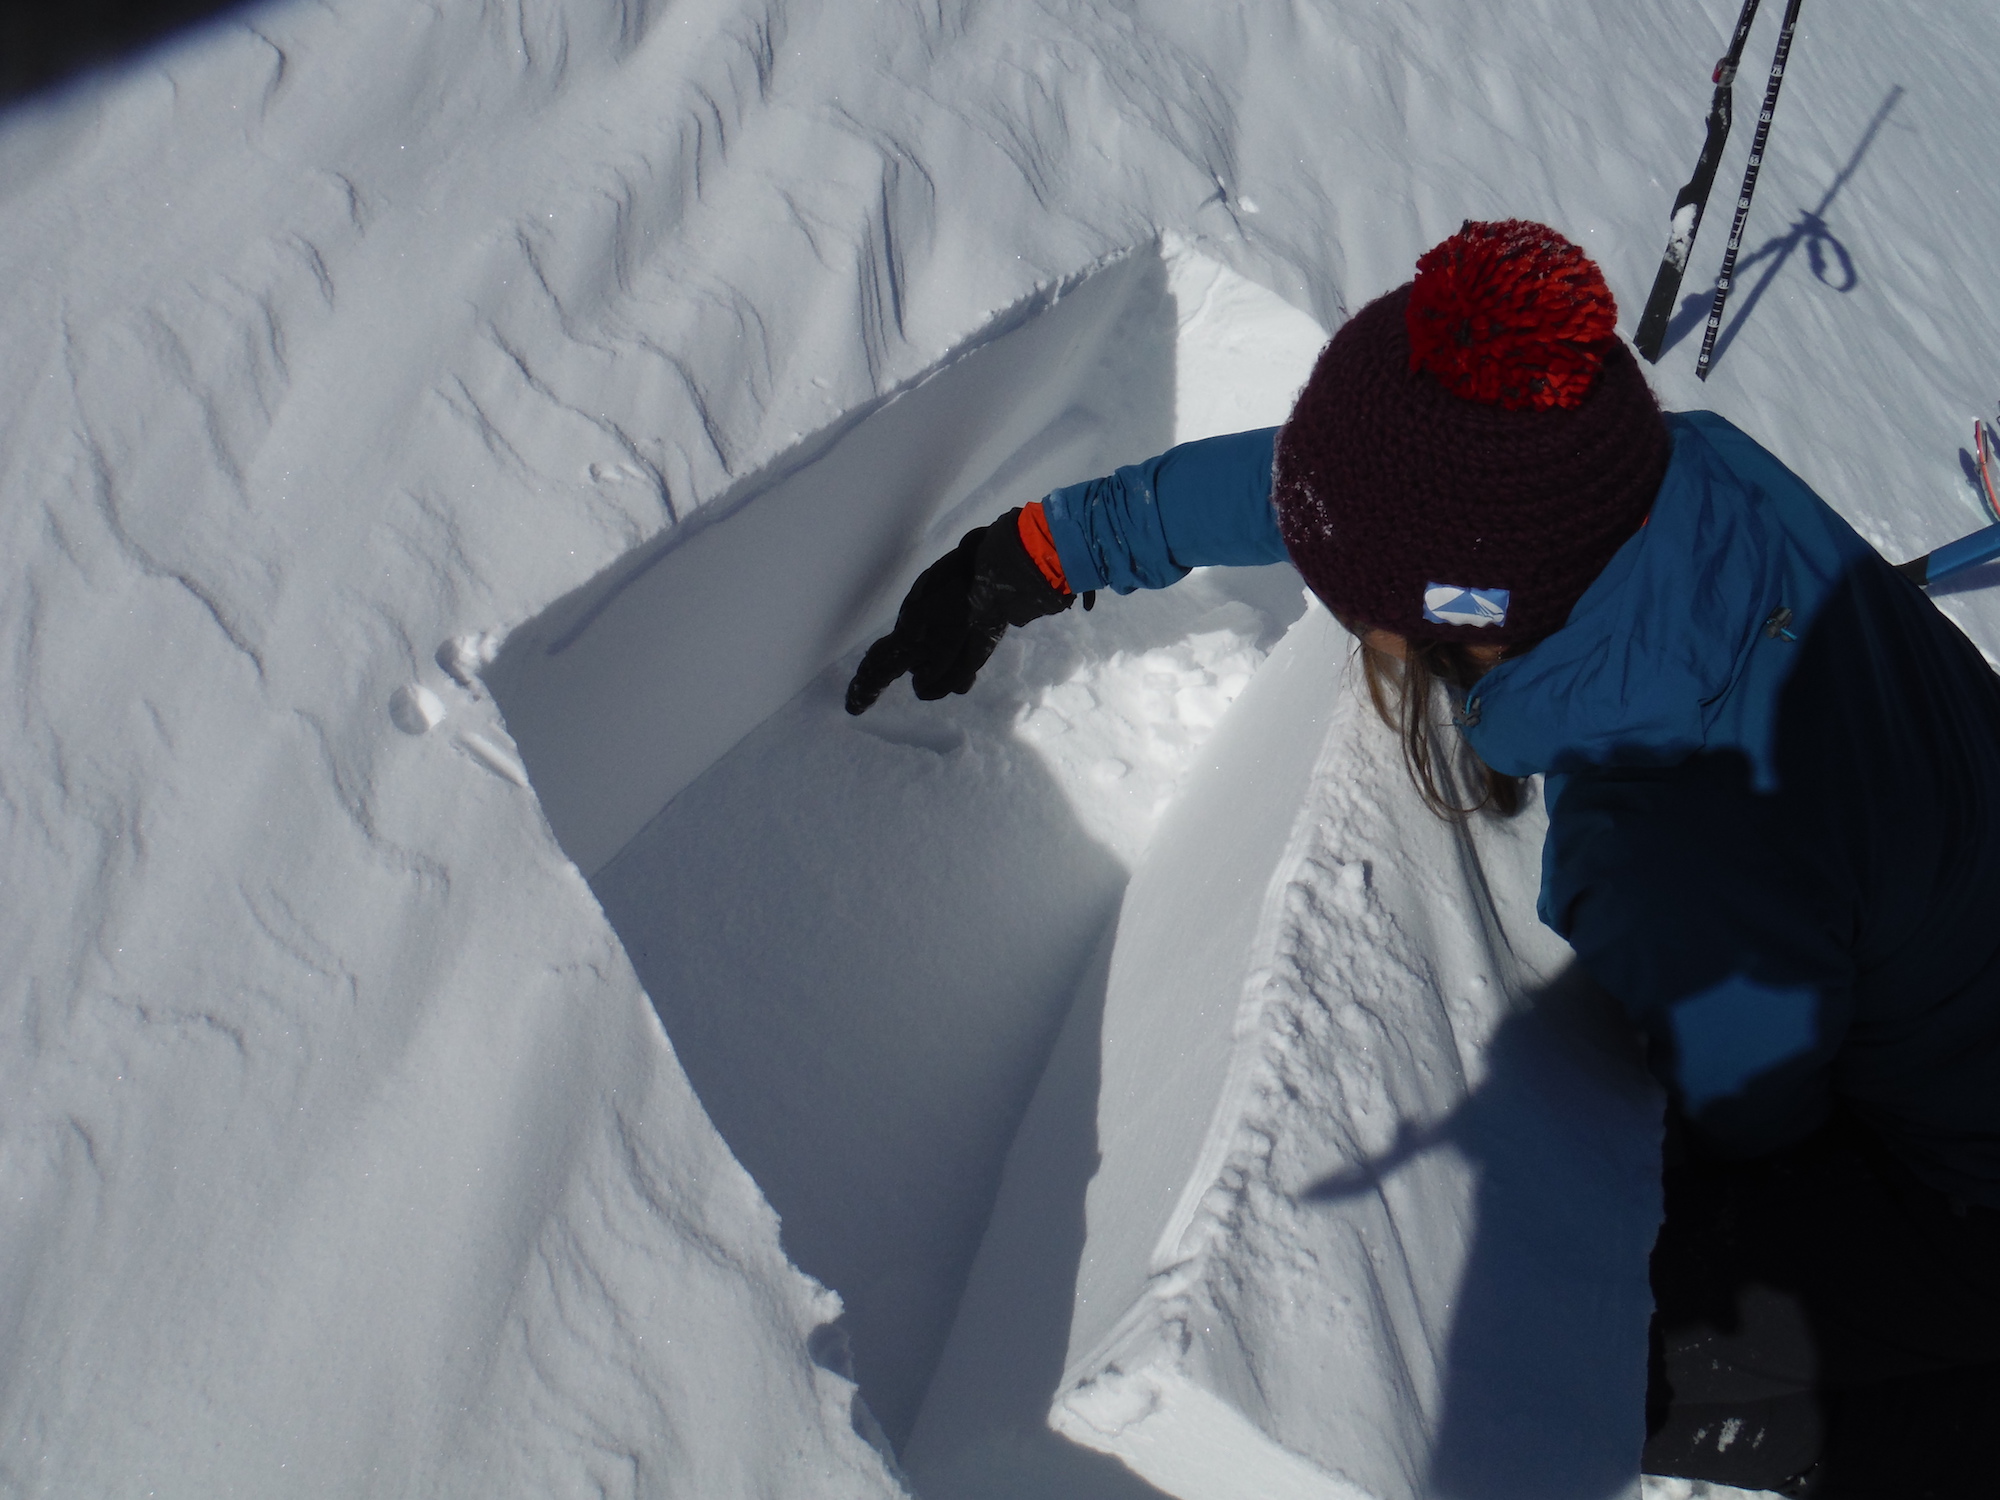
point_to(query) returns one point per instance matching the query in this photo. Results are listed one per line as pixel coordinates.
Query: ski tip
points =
(1988, 469)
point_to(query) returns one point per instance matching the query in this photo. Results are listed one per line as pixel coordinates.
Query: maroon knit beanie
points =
(1473, 447)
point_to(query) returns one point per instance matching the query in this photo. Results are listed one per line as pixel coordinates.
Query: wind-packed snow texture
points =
(1113, 1051)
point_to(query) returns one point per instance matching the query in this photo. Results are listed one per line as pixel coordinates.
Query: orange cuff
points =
(1034, 528)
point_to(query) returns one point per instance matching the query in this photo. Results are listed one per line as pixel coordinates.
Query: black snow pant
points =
(1825, 1326)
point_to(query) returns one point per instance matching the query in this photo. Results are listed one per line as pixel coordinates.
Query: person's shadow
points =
(1537, 1372)
(1544, 1374)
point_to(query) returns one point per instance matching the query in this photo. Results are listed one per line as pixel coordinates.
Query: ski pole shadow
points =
(1826, 256)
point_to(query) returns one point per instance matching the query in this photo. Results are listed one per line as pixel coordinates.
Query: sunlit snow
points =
(481, 1020)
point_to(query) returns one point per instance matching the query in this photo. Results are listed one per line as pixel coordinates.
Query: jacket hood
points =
(1660, 658)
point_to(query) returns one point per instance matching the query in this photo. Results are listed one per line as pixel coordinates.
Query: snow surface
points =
(943, 873)
(1111, 1051)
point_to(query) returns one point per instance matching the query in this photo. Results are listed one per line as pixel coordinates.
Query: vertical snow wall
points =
(622, 693)
(860, 935)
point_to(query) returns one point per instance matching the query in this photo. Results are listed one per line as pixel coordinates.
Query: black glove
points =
(955, 614)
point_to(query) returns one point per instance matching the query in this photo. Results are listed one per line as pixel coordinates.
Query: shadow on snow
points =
(1827, 257)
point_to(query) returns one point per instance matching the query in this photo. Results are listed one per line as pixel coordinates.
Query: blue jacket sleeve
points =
(1145, 526)
(1725, 949)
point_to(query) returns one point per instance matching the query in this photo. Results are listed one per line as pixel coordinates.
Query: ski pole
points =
(1685, 221)
(1722, 282)
(1981, 546)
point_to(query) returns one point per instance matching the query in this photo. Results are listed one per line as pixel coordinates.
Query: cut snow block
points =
(622, 693)
(1340, 1183)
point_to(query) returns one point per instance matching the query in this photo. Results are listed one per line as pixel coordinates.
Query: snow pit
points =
(1153, 1079)
(862, 935)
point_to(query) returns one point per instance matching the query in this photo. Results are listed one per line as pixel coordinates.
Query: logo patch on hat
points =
(1453, 604)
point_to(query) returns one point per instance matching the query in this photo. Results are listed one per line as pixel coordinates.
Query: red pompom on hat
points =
(1472, 447)
(1512, 314)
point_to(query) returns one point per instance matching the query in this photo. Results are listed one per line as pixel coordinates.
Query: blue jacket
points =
(1775, 838)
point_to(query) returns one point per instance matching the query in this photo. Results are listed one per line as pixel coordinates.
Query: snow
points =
(1407, 1242)
(947, 868)
(1680, 235)
(1117, 1046)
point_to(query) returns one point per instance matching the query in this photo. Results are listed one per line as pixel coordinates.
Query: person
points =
(1772, 775)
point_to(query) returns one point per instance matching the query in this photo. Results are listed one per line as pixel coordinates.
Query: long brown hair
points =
(1405, 694)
